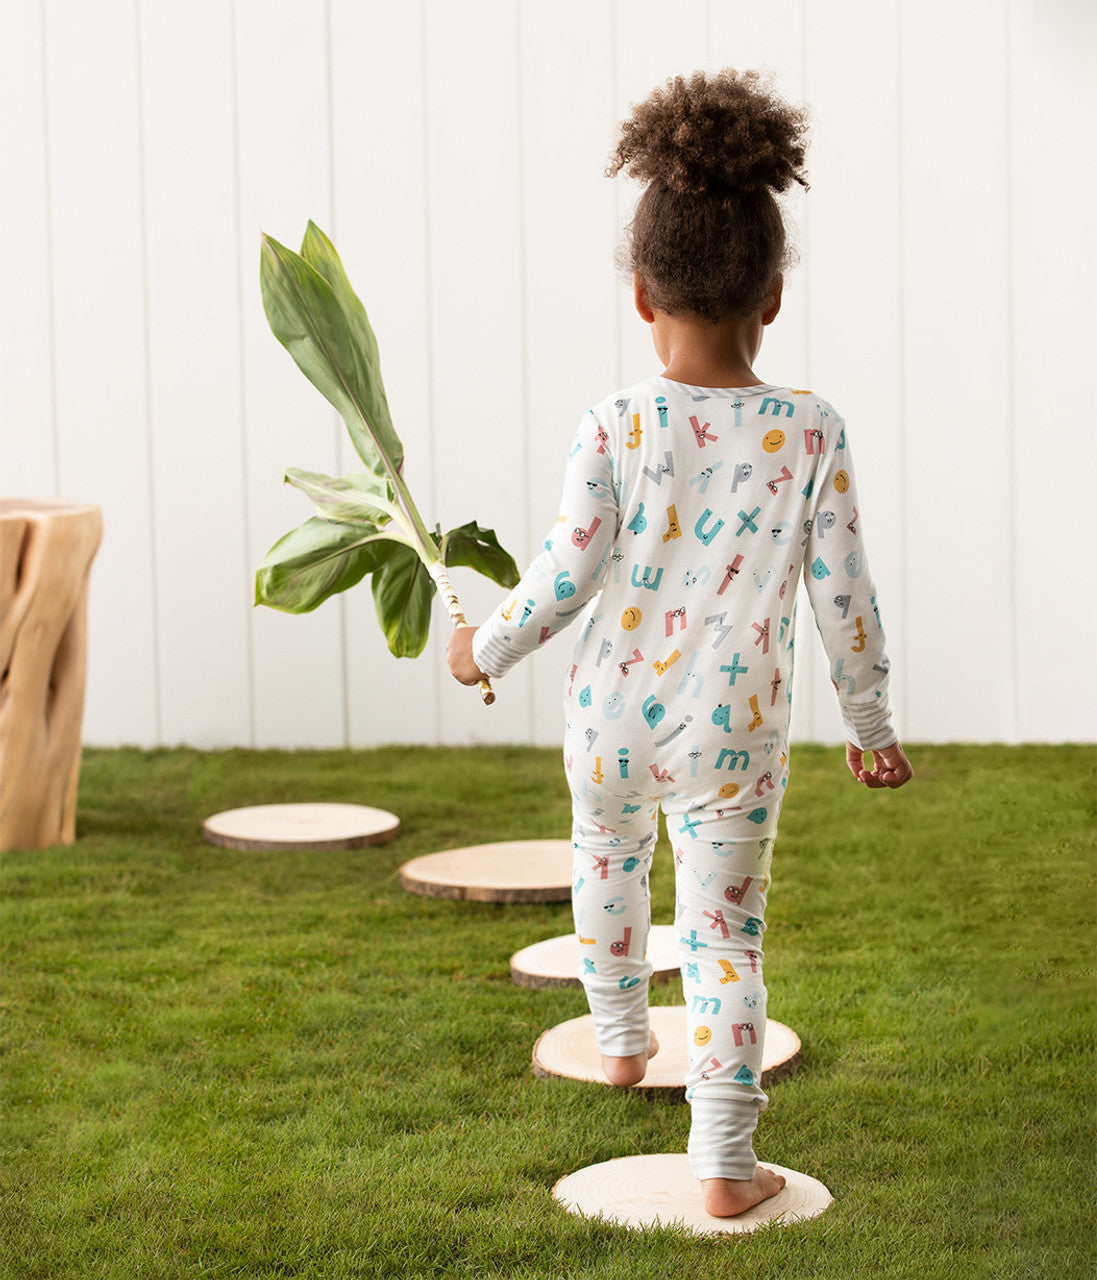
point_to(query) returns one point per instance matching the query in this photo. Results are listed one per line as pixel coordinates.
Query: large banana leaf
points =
(402, 592)
(316, 560)
(367, 523)
(316, 316)
(360, 499)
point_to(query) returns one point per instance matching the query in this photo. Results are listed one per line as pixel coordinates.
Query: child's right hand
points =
(890, 766)
(459, 655)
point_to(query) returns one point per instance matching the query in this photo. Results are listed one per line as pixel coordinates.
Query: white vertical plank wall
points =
(851, 270)
(455, 154)
(198, 476)
(570, 285)
(27, 418)
(100, 335)
(379, 224)
(956, 457)
(283, 128)
(1054, 444)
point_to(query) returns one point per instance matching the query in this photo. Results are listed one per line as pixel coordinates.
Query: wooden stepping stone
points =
(661, 1191)
(569, 1050)
(555, 962)
(301, 826)
(507, 871)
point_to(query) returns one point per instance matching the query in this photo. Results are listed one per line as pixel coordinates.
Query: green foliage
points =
(226, 1064)
(365, 524)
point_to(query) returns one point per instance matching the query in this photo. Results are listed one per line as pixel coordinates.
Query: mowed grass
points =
(262, 1065)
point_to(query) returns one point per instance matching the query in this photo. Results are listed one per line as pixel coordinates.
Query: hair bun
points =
(714, 134)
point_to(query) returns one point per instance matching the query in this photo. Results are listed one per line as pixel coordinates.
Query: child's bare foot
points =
(725, 1197)
(630, 1070)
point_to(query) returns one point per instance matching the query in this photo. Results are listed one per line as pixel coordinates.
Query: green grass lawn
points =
(260, 1065)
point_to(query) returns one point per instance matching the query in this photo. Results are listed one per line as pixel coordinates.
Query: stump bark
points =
(46, 551)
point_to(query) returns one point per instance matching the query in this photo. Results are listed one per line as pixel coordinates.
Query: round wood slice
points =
(301, 826)
(569, 1050)
(660, 1191)
(507, 871)
(555, 962)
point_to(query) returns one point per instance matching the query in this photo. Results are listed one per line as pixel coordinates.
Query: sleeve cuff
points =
(868, 724)
(492, 654)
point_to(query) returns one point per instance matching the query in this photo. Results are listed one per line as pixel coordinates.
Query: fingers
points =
(890, 766)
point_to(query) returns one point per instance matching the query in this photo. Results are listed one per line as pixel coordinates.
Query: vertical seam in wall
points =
(1011, 416)
(902, 371)
(337, 421)
(615, 230)
(523, 320)
(241, 381)
(51, 283)
(150, 448)
(428, 302)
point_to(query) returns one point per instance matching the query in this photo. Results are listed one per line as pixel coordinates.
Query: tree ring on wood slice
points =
(569, 1051)
(555, 962)
(660, 1191)
(506, 871)
(318, 826)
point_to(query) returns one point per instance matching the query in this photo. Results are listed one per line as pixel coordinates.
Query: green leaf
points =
(357, 499)
(325, 329)
(402, 592)
(318, 559)
(479, 549)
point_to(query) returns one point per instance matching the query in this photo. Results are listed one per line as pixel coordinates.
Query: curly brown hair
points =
(708, 237)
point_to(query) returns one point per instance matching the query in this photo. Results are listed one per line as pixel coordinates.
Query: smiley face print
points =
(630, 619)
(702, 1036)
(773, 440)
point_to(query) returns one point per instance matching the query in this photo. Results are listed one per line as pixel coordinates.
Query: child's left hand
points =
(890, 766)
(459, 655)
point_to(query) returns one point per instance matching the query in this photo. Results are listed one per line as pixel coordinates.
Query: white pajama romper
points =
(688, 517)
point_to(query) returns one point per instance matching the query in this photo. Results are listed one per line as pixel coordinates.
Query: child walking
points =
(693, 504)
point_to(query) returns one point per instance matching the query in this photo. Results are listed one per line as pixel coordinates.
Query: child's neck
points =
(703, 354)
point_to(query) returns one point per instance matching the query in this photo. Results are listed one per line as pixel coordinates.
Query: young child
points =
(693, 503)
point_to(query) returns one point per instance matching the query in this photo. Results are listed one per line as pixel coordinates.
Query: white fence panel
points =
(571, 285)
(1054, 345)
(455, 154)
(380, 229)
(202, 566)
(478, 312)
(99, 316)
(27, 456)
(956, 352)
(852, 252)
(283, 142)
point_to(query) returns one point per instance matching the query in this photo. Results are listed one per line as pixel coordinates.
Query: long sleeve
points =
(843, 598)
(572, 566)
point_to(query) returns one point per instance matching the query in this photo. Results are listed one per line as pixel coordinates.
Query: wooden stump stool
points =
(654, 1191)
(301, 826)
(46, 550)
(555, 962)
(569, 1050)
(507, 871)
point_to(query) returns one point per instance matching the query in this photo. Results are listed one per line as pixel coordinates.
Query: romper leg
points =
(611, 903)
(722, 874)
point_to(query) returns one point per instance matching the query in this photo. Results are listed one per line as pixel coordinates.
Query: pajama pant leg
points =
(611, 903)
(722, 874)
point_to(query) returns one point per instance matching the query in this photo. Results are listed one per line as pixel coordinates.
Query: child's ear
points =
(772, 303)
(640, 297)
